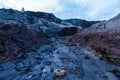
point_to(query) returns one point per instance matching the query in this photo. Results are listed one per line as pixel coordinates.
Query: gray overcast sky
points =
(83, 9)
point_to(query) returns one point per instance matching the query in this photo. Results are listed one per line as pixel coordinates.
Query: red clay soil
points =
(102, 43)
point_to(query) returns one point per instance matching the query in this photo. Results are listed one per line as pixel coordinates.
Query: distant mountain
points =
(82, 23)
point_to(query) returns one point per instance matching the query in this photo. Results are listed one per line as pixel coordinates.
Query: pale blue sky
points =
(83, 9)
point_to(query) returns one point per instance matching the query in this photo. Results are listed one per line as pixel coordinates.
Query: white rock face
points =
(111, 25)
(114, 22)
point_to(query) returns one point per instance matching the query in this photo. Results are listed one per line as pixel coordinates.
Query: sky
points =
(65, 9)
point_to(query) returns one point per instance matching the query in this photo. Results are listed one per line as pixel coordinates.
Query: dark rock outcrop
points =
(60, 30)
(67, 31)
(16, 39)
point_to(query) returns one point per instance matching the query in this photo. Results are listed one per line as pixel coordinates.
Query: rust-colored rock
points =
(59, 72)
(103, 38)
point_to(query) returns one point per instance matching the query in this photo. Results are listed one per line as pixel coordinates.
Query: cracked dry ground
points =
(78, 62)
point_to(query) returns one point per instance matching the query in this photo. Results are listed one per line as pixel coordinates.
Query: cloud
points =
(102, 9)
(34, 5)
(84, 9)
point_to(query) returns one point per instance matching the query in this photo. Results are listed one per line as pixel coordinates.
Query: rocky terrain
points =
(103, 38)
(40, 46)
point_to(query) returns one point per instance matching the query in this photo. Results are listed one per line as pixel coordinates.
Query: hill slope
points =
(34, 46)
(103, 38)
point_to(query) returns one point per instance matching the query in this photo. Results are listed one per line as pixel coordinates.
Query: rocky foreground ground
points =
(39, 46)
(79, 64)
